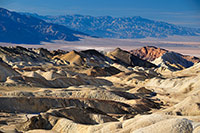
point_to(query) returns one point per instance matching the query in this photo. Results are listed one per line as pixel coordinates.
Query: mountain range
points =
(27, 28)
(18, 28)
(120, 27)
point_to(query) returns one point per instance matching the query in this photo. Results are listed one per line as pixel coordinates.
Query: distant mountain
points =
(18, 28)
(122, 27)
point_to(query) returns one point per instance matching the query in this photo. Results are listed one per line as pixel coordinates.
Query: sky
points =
(180, 12)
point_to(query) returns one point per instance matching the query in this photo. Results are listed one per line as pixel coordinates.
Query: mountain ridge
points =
(119, 27)
(18, 28)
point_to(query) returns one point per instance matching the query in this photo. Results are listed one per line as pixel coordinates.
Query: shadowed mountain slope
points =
(124, 57)
(18, 28)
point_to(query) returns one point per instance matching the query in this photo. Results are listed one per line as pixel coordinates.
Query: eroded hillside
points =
(92, 91)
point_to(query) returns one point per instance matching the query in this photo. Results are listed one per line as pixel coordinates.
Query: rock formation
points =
(150, 53)
(124, 57)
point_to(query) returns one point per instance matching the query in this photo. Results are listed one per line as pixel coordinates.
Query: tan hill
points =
(87, 57)
(20, 57)
(6, 71)
(73, 57)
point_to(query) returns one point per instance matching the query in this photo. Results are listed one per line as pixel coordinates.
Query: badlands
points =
(147, 90)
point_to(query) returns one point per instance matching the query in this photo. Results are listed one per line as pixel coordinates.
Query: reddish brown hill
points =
(150, 53)
(128, 59)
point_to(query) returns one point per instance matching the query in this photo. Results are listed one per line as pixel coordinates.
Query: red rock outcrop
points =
(149, 53)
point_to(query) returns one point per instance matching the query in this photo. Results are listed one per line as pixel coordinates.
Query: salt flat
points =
(185, 45)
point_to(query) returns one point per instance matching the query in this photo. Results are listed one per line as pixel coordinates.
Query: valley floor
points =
(185, 45)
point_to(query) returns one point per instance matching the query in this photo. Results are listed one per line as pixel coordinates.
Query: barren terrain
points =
(124, 90)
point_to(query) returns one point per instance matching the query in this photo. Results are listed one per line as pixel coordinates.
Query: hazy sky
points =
(182, 12)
